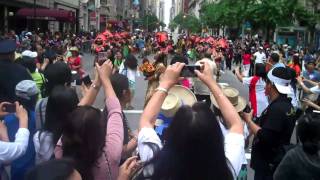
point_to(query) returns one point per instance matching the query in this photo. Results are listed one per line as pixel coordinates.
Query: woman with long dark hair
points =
(62, 101)
(295, 64)
(256, 85)
(129, 68)
(95, 147)
(55, 169)
(194, 147)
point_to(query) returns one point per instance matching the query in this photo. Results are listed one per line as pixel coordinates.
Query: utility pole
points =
(147, 19)
(34, 13)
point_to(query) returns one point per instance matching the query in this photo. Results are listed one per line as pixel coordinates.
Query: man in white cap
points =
(28, 53)
(274, 127)
(259, 56)
(27, 93)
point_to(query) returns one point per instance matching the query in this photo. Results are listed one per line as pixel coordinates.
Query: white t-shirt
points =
(260, 57)
(43, 146)
(233, 147)
(315, 90)
(246, 133)
(260, 95)
(10, 151)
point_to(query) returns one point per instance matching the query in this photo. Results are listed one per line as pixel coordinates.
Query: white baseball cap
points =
(29, 53)
(26, 89)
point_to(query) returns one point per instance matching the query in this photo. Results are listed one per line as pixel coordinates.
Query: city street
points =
(266, 51)
(138, 101)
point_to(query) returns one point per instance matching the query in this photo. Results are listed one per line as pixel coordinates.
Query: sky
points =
(167, 7)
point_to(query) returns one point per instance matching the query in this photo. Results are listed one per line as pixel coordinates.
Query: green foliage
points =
(162, 24)
(225, 13)
(150, 22)
(261, 13)
(306, 18)
(188, 22)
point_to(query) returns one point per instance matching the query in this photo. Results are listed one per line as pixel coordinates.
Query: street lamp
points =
(132, 21)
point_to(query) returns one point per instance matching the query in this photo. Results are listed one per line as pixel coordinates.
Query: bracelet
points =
(162, 90)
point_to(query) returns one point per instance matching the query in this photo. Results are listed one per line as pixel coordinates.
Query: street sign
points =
(247, 25)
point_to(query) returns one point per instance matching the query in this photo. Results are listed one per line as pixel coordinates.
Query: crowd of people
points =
(192, 127)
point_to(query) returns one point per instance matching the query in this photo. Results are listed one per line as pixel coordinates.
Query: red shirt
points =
(296, 68)
(74, 62)
(246, 59)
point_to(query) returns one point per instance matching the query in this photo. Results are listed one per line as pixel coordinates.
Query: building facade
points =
(9, 19)
(39, 15)
(68, 5)
(298, 35)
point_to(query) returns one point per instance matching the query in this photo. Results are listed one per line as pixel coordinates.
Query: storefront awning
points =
(52, 14)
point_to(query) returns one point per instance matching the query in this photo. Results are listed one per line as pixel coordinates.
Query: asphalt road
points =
(138, 100)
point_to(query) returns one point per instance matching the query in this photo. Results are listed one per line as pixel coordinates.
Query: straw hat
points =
(233, 95)
(177, 96)
(74, 49)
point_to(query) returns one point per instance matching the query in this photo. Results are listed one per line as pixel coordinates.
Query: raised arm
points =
(169, 78)
(304, 87)
(311, 82)
(229, 113)
(10, 151)
(114, 132)
(104, 72)
(90, 96)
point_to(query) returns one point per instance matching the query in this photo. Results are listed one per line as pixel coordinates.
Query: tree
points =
(150, 22)
(187, 22)
(230, 13)
(262, 14)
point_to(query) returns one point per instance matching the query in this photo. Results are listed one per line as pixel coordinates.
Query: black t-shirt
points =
(10, 75)
(277, 123)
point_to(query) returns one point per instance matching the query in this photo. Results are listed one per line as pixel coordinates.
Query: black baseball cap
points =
(7, 46)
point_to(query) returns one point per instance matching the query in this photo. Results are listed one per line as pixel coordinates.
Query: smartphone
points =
(101, 58)
(247, 109)
(10, 108)
(86, 80)
(76, 79)
(188, 70)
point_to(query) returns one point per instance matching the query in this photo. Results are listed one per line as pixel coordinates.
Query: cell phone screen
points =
(188, 71)
(247, 109)
(102, 57)
(87, 80)
(10, 108)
